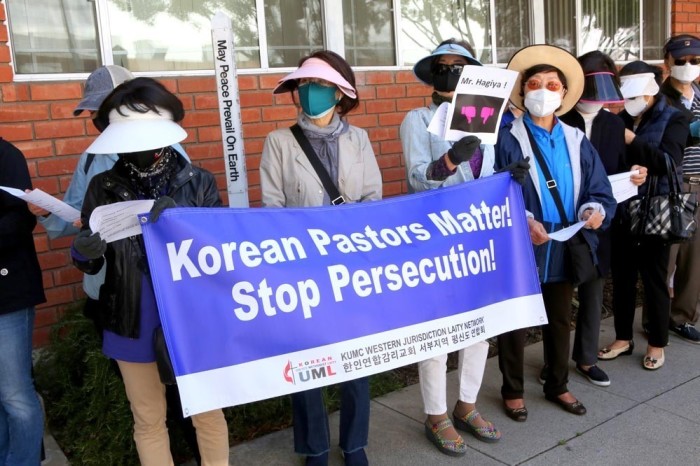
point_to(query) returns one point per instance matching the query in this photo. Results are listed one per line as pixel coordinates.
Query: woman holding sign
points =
(431, 163)
(566, 184)
(322, 160)
(139, 119)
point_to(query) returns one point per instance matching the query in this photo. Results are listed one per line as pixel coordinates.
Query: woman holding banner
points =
(322, 160)
(566, 179)
(139, 119)
(431, 163)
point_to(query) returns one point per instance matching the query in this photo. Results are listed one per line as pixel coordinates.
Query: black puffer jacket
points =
(120, 296)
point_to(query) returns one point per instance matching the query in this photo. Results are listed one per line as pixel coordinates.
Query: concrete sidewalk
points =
(643, 417)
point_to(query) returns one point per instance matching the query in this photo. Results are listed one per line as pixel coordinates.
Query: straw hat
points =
(527, 57)
(131, 131)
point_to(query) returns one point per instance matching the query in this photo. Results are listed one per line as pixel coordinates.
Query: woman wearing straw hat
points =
(550, 84)
(139, 119)
(343, 155)
(431, 163)
(654, 129)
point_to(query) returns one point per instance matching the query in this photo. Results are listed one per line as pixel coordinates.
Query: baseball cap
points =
(682, 46)
(99, 84)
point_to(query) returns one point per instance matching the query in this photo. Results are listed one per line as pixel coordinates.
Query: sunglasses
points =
(441, 68)
(534, 84)
(681, 62)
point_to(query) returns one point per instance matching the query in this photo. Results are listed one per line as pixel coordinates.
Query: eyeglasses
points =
(441, 68)
(534, 84)
(681, 62)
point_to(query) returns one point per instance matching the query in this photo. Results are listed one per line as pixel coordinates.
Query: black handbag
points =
(578, 255)
(165, 365)
(670, 217)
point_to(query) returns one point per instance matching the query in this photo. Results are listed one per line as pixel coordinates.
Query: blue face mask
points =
(317, 100)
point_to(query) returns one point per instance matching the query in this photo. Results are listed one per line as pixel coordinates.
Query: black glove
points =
(518, 170)
(463, 149)
(89, 245)
(159, 206)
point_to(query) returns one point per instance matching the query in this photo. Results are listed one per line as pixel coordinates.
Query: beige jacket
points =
(287, 178)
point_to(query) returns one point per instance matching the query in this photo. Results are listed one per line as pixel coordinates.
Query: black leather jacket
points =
(120, 295)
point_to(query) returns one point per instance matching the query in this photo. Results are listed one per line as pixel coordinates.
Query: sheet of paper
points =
(119, 220)
(478, 103)
(437, 124)
(622, 187)
(46, 201)
(566, 233)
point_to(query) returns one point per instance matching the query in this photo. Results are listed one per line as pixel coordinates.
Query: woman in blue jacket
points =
(550, 82)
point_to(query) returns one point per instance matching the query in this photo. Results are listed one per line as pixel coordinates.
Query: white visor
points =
(131, 131)
(634, 85)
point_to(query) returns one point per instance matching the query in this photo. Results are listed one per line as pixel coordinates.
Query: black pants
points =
(649, 258)
(556, 335)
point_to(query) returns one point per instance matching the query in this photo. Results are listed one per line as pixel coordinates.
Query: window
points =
(53, 36)
(294, 29)
(76, 36)
(368, 32)
(175, 35)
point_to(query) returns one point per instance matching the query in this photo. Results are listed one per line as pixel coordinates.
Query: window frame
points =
(332, 22)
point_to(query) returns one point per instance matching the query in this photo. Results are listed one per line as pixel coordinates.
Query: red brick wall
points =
(37, 117)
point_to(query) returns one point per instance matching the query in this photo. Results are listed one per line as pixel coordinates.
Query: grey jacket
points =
(287, 178)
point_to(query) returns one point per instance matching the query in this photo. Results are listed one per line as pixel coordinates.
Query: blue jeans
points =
(21, 416)
(311, 431)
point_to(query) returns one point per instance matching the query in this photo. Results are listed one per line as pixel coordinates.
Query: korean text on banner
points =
(257, 303)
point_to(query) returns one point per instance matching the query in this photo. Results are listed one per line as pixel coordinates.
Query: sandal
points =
(488, 433)
(455, 447)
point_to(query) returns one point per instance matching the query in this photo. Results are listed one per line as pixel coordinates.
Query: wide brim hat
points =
(99, 85)
(132, 131)
(422, 68)
(600, 87)
(527, 57)
(315, 68)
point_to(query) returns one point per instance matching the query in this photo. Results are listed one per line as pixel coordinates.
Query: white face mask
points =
(589, 107)
(542, 102)
(686, 73)
(636, 105)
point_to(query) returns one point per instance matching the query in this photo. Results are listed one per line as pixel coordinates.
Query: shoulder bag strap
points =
(336, 198)
(673, 181)
(551, 184)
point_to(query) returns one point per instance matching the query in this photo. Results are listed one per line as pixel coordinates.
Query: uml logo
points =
(308, 371)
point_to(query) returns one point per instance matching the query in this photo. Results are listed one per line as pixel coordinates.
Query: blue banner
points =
(261, 302)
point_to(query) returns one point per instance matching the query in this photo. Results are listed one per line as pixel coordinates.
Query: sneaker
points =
(686, 332)
(544, 373)
(595, 375)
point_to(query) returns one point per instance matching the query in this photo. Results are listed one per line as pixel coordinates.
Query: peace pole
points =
(229, 110)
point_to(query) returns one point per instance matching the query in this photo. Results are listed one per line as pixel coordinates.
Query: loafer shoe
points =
(488, 433)
(595, 375)
(455, 447)
(356, 458)
(652, 364)
(574, 408)
(516, 414)
(687, 332)
(319, 460)
(608, 353)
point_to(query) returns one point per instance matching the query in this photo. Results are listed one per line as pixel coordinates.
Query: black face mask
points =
(445, 81)
(143, 159)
